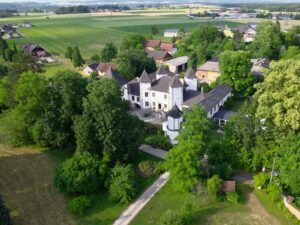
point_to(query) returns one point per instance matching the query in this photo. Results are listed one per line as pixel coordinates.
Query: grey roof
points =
(175, 112)
(162, 70)
(113, 74)
(175, 82)
(162, 84)
(178, 61)
(215, 96)
(190, 74)
(224, 115)
(93, 66)
(191, 97)
(172, 30)
(258, 65)
(211, 65)
(145, 78)
(133, 87)
(157, 54)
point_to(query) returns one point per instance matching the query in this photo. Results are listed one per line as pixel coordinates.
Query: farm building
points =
(158, 56)
(209, 71)
(34, 50)
(178, 64)
(171, 33)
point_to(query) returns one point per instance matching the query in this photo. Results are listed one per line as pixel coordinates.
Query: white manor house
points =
(166, 94)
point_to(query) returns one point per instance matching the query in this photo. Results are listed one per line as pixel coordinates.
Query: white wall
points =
(176, 97)
(159, 97)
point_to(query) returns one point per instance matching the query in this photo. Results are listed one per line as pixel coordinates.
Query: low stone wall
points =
(291, 208)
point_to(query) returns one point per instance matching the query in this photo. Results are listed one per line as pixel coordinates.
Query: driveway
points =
(153, 151)
(128, 215)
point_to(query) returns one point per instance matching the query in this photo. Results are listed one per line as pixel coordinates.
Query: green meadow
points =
(90, 33)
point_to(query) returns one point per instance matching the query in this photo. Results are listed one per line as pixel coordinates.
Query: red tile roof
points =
(228, 186)
(167, 46)
(151, 43)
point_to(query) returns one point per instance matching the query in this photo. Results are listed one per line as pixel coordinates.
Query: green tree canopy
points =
(104, 125)
(121, 185)
(69, 53)
(131, 63)
(267, 42)
(109, 52)
(278, 96)
(77, 58)
(235, 71)
(183, 160)
(154, 30)
(132, 41)
(83, 173)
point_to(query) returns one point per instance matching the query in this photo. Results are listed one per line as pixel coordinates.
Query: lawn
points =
(215, 214)
(281, 214)
(90, 33)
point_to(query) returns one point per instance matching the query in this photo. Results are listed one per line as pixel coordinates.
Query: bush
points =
(224, 170)
(79, 204)
(261, 179)
(274, 192)
(147, 168)
(213, 187)
(159, 168)
(4, 214)
(121, 184)
(159, 141)
(171, 218)
(83, 173)
(232, 197)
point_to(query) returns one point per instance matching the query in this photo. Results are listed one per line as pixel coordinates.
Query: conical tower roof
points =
(190, 74)
(145, 77)
(175, 112)
(175, 82)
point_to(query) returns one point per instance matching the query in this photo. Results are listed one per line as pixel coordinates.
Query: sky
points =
(141, 1)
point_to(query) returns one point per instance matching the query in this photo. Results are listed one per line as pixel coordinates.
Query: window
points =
(146, 94)
(137, 99)
(132, 98)
(165, 96)
(147, 104)
(153, 94)
(159, 106)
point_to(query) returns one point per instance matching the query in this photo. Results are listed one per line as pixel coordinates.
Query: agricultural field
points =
(90, 33)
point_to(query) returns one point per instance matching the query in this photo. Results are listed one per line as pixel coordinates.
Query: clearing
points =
(26, 185)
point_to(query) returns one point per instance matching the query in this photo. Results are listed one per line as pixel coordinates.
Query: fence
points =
(291, 208)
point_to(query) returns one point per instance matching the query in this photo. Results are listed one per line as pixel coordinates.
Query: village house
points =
(9, 31)
(34, 50)
(27, 24)
(166, 94)
(158, 56)
(209, 71)
(158, 45)
(171, 33)
(248, 32)
(178, 64)
(99, 68)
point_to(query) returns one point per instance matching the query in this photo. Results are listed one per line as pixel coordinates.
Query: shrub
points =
(159, 141)
(171, 218)
(224, 170)
(274, 192)
(232, 197)
(83, 173)
(147, 168)
(79, 204)
(213, 187)
(261, 179)
(121, 184)
(159, 168)
(4, 214)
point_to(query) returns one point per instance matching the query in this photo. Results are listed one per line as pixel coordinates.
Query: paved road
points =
(154, 151)
(128, 215)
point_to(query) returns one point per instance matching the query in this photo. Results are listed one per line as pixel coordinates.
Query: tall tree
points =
(104, 125)
(131, 63)
(278, 96)
(235, 71)
(69, 53)
(132, 41)
(109, 52)
(183, 160)
(154, 30)
(267, 42)
(77, 58)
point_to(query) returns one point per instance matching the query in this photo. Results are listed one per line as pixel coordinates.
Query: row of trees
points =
(266, 129)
